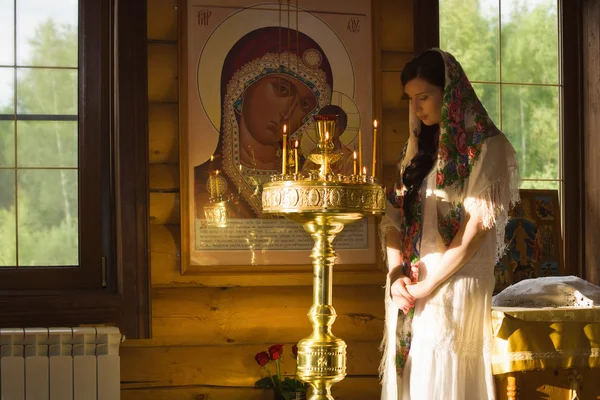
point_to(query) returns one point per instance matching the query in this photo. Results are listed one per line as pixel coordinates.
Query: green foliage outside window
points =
(39, 158)
(509, 48)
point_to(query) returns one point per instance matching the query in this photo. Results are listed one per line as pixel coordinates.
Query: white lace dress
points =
(450, 353)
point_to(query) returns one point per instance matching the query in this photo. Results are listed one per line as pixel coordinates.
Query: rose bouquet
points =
(286, 387)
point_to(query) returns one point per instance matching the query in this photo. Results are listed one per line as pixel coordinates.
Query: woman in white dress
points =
(443, 231)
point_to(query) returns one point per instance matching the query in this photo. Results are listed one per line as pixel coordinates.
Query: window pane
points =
(469, 30)
(7, 144)
(530, 120)
(7, 32)
(540, 185)
(489, 95)
(8, 221)
(530, 41)
(46, 91)
(47, 143)
(48, 217)
(47, 32)
(7, 91)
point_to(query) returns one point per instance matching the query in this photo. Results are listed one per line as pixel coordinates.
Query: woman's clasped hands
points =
(405, 292)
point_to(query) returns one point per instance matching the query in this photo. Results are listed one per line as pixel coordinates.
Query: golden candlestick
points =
(325, 126)
(323, 204)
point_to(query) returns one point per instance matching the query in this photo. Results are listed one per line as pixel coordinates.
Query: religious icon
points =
(263, 88)
(532, 239)
(252, 69)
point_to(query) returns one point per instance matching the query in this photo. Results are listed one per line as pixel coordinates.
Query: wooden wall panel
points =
(391, 93)
(397, 25)
(394, 61)
(351, 388)
(164, 177)
(218, 366)
(164, 208)
(241, 315)
(162, 19)
(395, 128)
(162, 72)
(163, 133)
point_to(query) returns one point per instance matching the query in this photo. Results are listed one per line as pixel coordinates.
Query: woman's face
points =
(273, 101)
(426, 100)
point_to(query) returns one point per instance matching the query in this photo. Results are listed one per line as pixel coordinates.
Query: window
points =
(73, 191)
(510, 52)
(39, 219)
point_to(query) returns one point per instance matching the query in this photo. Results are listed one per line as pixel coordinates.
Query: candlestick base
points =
(323, 208)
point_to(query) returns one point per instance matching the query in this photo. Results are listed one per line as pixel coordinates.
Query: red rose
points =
(480, 126)
(461, 142)
(262, 358)
(462, 170)
(471, 151)
(295, 351)
(443, 153)
(454, 112)
(276, 351)
(439, 180)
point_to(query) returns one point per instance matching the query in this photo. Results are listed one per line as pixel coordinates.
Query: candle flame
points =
(212, 158)
(217, 172)
(354, 155)
(326, 135)
(364, 170)
(375, 124)
(284, 128)
(296, 144)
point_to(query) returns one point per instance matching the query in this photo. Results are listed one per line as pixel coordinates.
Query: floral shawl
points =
(465, 179)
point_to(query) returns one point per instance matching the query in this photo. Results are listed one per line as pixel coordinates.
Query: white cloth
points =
(450, 355)
(552, 291)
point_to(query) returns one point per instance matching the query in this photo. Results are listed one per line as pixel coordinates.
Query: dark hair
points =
(430, 67)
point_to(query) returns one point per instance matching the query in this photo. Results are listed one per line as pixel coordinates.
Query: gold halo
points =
(309, 139)
(238, 24)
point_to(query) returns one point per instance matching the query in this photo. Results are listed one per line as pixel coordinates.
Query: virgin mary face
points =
(273, 101)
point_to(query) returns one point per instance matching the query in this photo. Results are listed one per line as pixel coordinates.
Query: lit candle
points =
(296, 156)
(211, 166)
(326, 156)
(360, 162)
(284, 155)
(354, 163)
(364, 170)
(374, 147)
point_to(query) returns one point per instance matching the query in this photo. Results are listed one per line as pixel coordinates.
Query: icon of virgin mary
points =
(271, 77)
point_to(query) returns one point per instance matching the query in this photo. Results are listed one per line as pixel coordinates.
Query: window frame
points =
(426, 33)
(113, 188)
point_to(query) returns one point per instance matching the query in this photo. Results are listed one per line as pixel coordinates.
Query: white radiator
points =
(60, 364)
